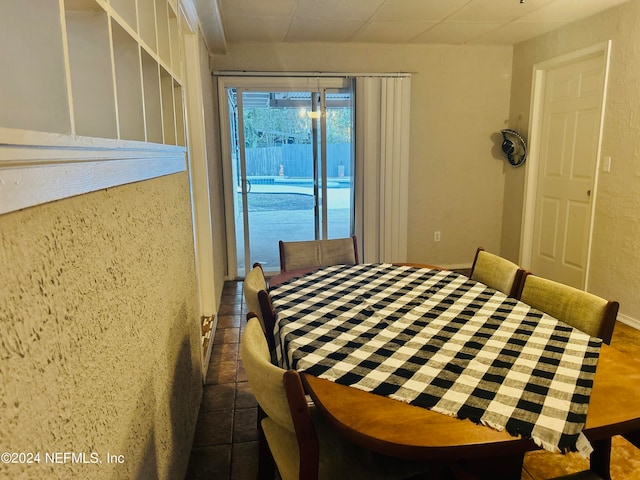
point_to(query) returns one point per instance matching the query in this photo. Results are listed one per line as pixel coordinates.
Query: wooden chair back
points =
(254, 282)
(258, 301)
(318, 253)
(287, 425)
(497, 272)
(587, 312)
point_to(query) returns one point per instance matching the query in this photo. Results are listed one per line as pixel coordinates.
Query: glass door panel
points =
(291, 181)
(339, 164)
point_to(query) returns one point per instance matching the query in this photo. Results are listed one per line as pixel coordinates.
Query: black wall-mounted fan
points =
(514, 147)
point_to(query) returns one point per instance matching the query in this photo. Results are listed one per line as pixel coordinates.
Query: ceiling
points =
(457, 22)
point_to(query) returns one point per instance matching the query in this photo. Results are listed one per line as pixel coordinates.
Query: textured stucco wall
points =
(615, 258)
(459, 101)
(99, 336)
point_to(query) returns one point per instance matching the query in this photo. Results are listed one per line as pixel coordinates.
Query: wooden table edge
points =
(502, 444)
(611, 399)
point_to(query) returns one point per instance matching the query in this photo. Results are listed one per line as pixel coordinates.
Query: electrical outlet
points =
(606, 164)
(436, 236)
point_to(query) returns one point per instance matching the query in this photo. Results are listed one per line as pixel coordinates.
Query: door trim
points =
(535, 129)
(256, 83)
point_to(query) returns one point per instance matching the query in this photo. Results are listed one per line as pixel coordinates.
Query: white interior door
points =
(571, 123)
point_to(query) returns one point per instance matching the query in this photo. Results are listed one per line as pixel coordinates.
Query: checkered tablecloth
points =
(438, 340)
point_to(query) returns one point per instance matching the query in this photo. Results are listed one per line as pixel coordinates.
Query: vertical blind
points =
(382, 157)
(382, 116)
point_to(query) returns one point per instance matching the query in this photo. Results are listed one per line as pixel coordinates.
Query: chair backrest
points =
(281, 396)
(497, 272)
(587, 312)
(265, 378)
(254, 282)
(258, 301)
(318, 253)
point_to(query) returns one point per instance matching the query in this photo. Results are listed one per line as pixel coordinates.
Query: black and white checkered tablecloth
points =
(438, 340)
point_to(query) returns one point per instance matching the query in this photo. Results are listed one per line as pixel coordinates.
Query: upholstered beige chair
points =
(497, 272)
(257, 298)
(586, 312)
(582, 310)
(318, 253)
(299, 440)
(254, 281)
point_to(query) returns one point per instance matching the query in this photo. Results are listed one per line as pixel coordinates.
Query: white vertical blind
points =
(382, 166)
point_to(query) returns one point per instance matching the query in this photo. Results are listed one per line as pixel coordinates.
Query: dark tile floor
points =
(225, 444)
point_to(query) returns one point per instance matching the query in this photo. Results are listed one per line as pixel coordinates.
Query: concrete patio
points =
(267, 227)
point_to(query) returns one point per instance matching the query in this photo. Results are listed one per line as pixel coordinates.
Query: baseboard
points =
(207, 343)
(632, 322)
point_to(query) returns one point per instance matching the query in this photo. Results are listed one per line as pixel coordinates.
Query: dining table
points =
(418, 362)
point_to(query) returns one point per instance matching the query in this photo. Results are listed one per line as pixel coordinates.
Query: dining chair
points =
(258, 300)
(497, 272)
(294, 435)
(584, 311)
(587, 312)
(318, 253)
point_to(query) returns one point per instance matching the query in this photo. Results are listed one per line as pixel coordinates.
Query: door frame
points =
(255, 82)
(535, 138)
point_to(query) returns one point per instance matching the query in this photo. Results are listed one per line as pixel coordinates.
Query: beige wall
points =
(460, 98)
(99, 337)
(615, 260)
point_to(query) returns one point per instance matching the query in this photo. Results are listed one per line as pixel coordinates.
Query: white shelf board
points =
(37, 168)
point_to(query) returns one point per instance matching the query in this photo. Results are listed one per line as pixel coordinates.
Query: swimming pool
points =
(341, 182)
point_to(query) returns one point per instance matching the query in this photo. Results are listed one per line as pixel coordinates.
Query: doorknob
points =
(589, 193)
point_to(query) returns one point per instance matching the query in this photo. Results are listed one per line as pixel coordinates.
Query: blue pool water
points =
(299, 182)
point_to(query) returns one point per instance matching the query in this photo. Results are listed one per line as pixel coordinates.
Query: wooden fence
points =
(297, 160)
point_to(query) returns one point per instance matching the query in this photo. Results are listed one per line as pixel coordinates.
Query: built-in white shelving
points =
(126, 12)
(153, 111)
(179, 113)
(34, 87)
(168, 108)
(126, 63)
(163, 35)
(87, 28)
(85, 81)
(174, 42)
(147, 23)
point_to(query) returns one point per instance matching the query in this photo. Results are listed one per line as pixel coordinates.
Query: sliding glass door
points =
(289, 165)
